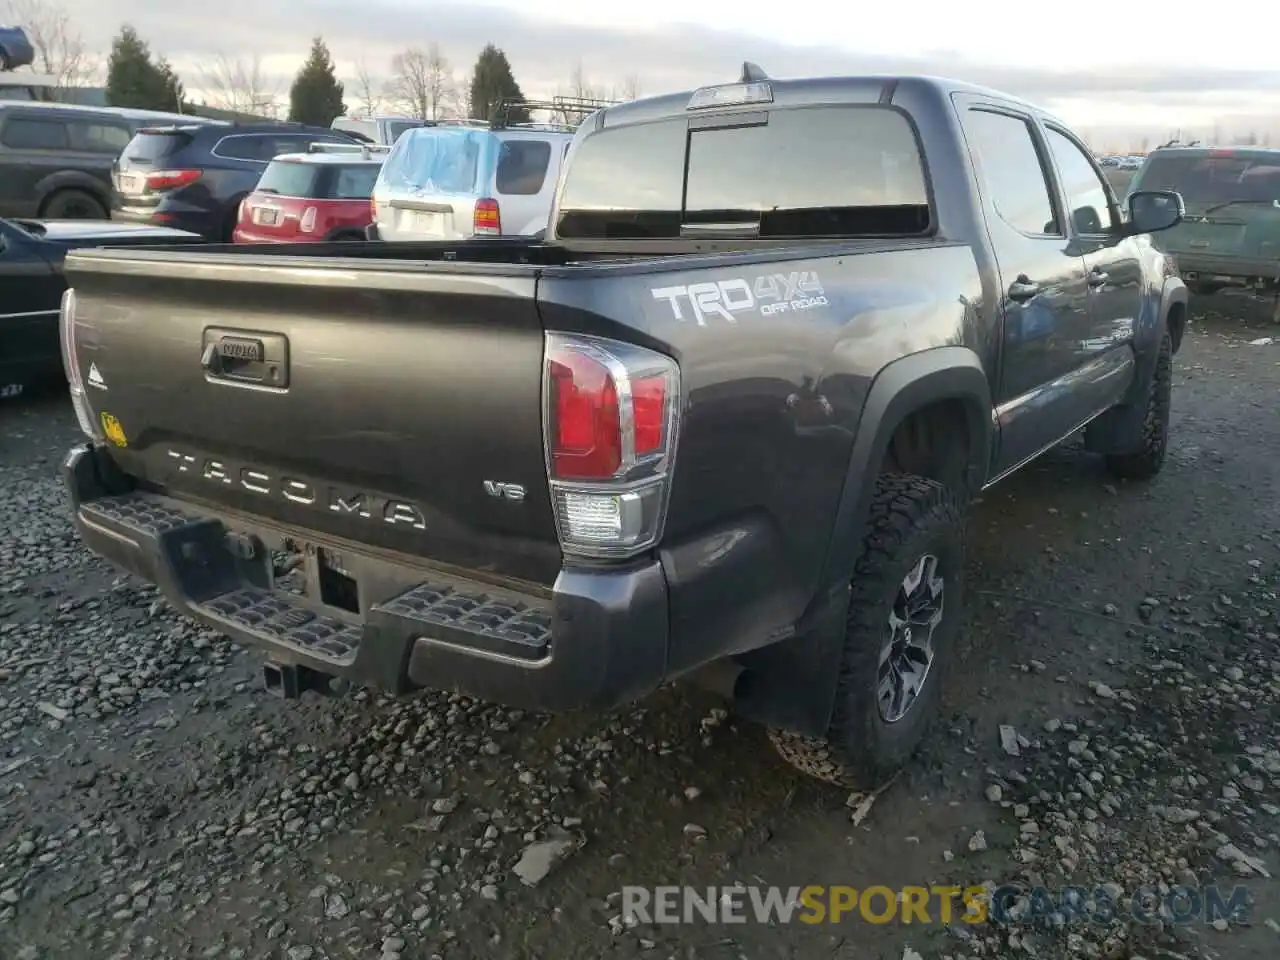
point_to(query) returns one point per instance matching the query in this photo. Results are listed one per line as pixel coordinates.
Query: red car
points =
(322, 195)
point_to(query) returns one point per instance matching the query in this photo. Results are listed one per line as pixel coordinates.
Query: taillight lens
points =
(71, 363)
(171, 179)
(487, 220)
(308, 221)
(611, 418)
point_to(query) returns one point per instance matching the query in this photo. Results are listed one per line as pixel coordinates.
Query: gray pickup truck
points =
(721, 423)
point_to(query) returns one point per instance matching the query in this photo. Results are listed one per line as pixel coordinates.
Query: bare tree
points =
(59, 47)
(367, 90)
(628, 89)
(230, 83)
(423, 85)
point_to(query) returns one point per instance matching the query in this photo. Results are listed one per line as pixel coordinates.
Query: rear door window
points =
(242, 147)
(1009, 164)
(825, 171)
(31, 133)
(522, 167)
(97, 137)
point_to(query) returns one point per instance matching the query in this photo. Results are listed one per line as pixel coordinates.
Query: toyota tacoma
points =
(722, 422)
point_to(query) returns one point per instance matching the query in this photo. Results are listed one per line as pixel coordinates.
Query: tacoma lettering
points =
(346, 503)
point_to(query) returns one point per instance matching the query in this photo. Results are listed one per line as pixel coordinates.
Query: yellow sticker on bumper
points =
(113, 430)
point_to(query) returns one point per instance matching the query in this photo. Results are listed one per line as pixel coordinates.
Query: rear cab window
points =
(1214, 177)
(790, 173)
(433, 160)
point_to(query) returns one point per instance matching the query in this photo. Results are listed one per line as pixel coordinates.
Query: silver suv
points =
(471, 178)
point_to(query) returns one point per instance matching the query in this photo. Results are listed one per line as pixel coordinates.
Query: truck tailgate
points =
(396, 407)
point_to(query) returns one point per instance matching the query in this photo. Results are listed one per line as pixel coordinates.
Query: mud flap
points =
(791, 685)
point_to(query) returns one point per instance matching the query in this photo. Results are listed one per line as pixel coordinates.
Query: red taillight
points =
(308, 221)
(649, 403)
(487, 219)
(171, 179)
(611, 417)
(587, 438)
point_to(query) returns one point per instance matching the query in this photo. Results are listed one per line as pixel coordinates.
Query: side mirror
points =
(1151, 211)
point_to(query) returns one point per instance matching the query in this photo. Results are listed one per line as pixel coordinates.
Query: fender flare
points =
(73, 180)
(791, 684)
(1173, 294)
(904, 386)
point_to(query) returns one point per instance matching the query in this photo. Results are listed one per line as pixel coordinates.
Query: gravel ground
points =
(1112, 720)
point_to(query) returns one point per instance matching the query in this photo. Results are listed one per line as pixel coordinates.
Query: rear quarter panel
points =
(773, 387)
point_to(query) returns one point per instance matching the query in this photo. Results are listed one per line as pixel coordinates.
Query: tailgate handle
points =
(245, 357)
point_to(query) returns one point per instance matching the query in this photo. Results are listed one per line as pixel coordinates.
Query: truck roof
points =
(868, 88)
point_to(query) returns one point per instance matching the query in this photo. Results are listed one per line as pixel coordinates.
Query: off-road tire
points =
(1145, 462)
(910, 517)
(73, 204)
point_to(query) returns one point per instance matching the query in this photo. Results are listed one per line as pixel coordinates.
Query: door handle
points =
(1023, 289)
(1098, 278)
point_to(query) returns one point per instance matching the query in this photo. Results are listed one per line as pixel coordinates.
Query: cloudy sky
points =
(1134, 69)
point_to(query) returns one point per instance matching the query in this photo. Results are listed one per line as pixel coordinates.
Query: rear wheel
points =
(73, 205)
(904, 615)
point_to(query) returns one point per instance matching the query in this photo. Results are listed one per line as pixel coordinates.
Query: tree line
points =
(420, 82)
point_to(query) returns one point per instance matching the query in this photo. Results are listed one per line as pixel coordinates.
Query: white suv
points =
(463, 180)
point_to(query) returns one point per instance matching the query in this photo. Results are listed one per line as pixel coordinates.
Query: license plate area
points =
(129, 183)
(266, 216)
(315, 573)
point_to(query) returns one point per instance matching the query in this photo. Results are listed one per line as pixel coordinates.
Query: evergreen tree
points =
(134, 79)
(316, 95)
(491, 83)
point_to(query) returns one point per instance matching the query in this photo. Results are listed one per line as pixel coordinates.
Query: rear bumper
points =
(202, 222)
(597, 641)
(1193, 266)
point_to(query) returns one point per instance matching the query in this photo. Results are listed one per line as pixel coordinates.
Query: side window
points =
(92, 137)
(25, 133)
(522, 166)
(1009, 165)
(1087, 201)
(241, 147)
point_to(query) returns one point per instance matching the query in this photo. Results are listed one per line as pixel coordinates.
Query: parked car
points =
(382, 129)
(471, 179)
(1231, 233)
(55, 158)
(724, 423)
(15, 49)
(319, 195)
(31, 285)
(194, 178)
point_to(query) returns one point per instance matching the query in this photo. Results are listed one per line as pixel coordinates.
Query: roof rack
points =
(566, 106)
(366, 150)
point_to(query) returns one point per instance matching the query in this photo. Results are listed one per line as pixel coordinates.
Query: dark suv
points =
(193, 178)
(55, 158)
